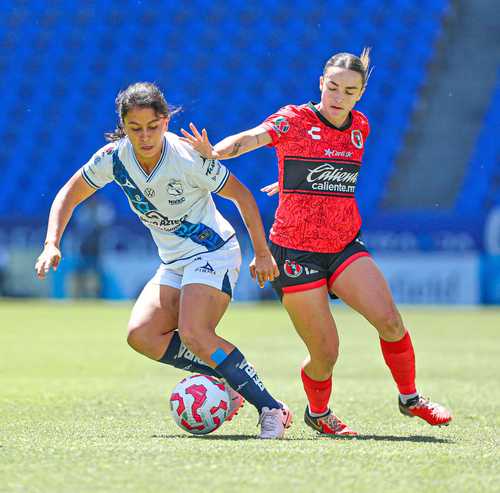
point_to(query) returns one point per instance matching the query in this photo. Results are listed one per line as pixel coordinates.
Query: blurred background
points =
(429, 190)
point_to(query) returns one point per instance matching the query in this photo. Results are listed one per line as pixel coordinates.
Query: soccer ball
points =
(199, 404)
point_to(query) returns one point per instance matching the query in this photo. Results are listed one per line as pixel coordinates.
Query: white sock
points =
(406, 397)
(316, 415)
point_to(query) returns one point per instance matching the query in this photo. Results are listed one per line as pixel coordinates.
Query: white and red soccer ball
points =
(199, 404)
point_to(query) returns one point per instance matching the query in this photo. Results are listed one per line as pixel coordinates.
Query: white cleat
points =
(274, 422)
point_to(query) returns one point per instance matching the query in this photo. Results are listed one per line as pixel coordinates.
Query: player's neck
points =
(148, 164)
(337, 121)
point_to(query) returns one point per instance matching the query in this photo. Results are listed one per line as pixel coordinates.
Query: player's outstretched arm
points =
(232, 146)
(263, 267)
(75, 191)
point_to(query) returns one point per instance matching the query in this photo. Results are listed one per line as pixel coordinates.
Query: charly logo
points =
(281, 125)
(292, 268)
(175, 188)
(149, 193)
(357, 139)
(314, 133)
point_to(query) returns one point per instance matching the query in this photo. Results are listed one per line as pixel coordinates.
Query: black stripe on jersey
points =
(324, 159)
(223, 182)
(89, 181)
(325, 177)
(322, 194)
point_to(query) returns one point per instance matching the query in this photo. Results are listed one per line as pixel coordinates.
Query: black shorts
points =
(301, 270)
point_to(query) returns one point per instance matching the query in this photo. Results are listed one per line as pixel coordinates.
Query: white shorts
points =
(219, 269)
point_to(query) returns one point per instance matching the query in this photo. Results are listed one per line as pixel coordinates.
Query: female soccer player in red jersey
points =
(315, 237)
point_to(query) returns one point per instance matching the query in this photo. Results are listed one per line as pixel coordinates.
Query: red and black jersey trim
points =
(311, 105)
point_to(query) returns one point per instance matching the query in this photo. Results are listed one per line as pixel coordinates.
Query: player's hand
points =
(263, 268)
(50, 257)
(199, 142)
(271, 189)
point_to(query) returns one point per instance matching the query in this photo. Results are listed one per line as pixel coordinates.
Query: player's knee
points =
(135, 336)
(390, 325)
(192, 338)
(326, 355)
(330, 355)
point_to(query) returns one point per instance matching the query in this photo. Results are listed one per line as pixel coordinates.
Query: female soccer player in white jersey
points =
(169, 187)
(315, 237)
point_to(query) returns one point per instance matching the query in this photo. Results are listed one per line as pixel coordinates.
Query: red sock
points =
(318, 392)
(400, 359)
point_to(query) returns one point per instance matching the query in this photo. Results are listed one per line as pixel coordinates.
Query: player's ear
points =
(361, 94)
(321, 81)
(165, 123)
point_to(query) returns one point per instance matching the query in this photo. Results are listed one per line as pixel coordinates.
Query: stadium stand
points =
(61, 72)
(481, 186)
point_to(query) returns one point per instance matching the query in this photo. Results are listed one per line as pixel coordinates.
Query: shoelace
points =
(268, 420)
(333, 422)
(436, 409)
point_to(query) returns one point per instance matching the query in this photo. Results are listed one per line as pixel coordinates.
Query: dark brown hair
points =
(349, 61)
(139, 95)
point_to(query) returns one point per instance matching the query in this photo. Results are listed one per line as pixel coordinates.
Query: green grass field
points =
(81, 412)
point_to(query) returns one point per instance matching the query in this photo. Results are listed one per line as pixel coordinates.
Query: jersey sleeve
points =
(278, 124)
(209, 174)
(98, 171)
(364, 124)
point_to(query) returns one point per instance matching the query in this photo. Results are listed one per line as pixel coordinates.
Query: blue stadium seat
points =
(64, 69)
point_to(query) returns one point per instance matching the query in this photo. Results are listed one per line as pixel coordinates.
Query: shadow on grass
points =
(228, 437)
(377, 438)
(411, 438)
(206, 437)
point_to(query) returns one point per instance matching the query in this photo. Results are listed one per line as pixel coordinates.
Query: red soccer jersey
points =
(318, 170)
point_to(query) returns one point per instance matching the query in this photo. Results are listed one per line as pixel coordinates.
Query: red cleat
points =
(328, 424)
(434, 414)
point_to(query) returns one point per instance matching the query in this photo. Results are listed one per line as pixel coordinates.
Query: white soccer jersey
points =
(174, 201)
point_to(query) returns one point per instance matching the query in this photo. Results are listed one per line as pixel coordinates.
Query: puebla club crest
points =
(174, 188)
(292, 268)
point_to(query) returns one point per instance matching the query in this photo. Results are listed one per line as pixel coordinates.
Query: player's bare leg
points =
(151, 331)
(201, 308)
(311, 316)
(310, 313)
(153, 320)
(363, 287)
